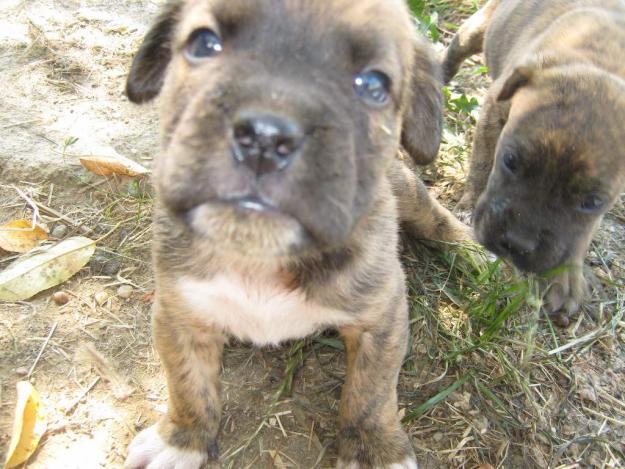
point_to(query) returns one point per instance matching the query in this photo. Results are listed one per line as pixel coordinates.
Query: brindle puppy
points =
(549, 151)
(279, 193)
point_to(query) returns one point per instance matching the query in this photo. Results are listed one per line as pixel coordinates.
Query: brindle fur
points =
(338, 247)
(558, 103)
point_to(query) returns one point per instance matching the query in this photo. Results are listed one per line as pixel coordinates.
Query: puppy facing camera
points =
(279, 196)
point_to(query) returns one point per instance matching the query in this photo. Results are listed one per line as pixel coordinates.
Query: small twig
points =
(82, 395)
(33, 205)
(59, 215)
(43, 347)
(18, 124)
(592, 336)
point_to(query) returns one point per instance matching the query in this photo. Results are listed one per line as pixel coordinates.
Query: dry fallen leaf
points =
(105, 368)
(20, 236)
(45, 269)
(107, 165)
(28, 427)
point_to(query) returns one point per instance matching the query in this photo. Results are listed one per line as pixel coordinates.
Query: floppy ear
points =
(149, 65)
(423, 117)
(521, 76)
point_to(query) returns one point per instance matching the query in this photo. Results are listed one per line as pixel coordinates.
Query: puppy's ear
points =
(423, 117)
(520, 77)
(149, 65)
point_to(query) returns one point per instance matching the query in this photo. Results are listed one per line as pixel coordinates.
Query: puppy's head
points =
(279, 117)
(559, 164)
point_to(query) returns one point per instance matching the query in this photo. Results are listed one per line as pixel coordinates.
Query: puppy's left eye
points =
(203, 43)
(373, 87)
(591, 204)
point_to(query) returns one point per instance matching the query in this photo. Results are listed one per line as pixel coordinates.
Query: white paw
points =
(149, 451)
(408, 463)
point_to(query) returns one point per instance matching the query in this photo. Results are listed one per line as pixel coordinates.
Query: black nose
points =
(518, 244)
(265, 142)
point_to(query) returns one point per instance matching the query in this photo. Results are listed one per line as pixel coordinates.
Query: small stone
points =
(125, 291)
(562, 320)
(60, 298)
(112, 267)
(587, 393)
(60, 231)
(438, 436)
(21, 371)
(101, 297)
(102, 264)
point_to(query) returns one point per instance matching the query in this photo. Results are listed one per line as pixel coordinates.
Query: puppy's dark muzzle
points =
(266, 143)
(505, 231)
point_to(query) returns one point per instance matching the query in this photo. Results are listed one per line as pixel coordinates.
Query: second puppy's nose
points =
(519, 244)
(265, 142)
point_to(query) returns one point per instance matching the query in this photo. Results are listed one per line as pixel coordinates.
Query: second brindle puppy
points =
(549, 151)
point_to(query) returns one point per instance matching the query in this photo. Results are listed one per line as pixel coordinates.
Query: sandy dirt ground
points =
(62, 67)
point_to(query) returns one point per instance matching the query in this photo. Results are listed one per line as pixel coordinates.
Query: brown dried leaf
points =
(103, 367)
(20, 236)
(107, 165)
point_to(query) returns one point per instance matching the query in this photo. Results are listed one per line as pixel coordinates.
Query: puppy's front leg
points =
(469, 40)
(421, 213)
(185, 438)
(565, 292)
(492, 120)
(370, 432)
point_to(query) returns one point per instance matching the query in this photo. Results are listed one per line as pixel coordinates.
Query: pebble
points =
(587, 393)
(60, 231)
(60, 298)
(102, 264)
(21, 371)
(438, 436)
(562, 320)
(125, 291)
(101, 297)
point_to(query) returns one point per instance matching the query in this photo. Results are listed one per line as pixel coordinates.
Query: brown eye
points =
(511, 161)
(591, 204)
(203, 44)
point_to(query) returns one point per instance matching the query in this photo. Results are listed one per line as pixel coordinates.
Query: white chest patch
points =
(259, 310)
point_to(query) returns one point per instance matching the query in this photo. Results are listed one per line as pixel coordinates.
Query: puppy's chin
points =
(248, 229)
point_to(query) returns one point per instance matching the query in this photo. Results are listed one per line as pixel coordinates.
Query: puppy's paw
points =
(379, 447)
(564, 295)
(149, 451)
(464, 208)
(408, 463)
(466, 202)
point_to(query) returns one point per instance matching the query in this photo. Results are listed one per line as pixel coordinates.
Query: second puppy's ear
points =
(521, 76)
(423, 116)
(149, 65)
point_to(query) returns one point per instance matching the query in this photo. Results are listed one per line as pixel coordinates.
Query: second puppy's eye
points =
(591, 204)
(511, 161)
(373, 87)
(203, 43)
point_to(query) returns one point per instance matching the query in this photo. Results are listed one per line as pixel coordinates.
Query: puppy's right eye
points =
(203, 44)
(373, 87)
(510, 161)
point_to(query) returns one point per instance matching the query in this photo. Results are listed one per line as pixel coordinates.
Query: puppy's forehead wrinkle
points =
(365, 29)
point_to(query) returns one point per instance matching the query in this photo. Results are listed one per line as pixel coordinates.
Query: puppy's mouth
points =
(251, 204)
(249, 225)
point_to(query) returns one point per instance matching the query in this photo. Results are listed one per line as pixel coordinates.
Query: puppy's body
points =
(549, 150)
(279, 192)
